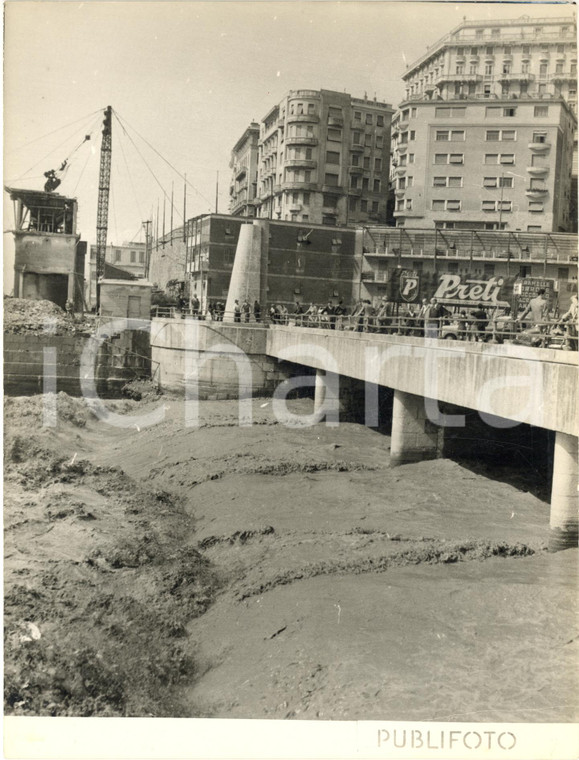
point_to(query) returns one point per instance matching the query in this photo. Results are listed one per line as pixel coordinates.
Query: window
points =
(479, 33)
(377, 164)
(133, 257)
(374, 207)
(368, 140)
(508, 134)
(352, 204)
(460, 68)
(495, 33)
(507, 158)
(442, 112)
(452, 205)
(489, 50)
(412, 135)
(537, 183)
(489, 205)
(409, 204)
(455, 181)
(365, 183)
(534, 228)
(490, 182)
(539, 137)
(356, 138)
(442, 135)
(536, 207)
(525, 67)
(117, 255)
(541, 111)
(473, 68)
(505, 205)
(357, 116)
(474, 51)
(376, 185)
(456, 158)
(335, 135)
(506, 68)
(413, 112)
(493, 135)
(543, 69)
(306, 197)
(355, 159)
(441, 158)
(509, 111)
(507, 182)
(437, 205)
(332, 157)
(409, 181)
(380, 120)
(379, 141)
(369, 119)
(573, 69)
(366, 162)
(559, 67)
(295, 197)
(439, 181)
(364, 205)
(493, 112)
(411, 158)
(400, 205)
(403, 159)
(457, 135)
(489, 68)
(331, 179)
(329, 201)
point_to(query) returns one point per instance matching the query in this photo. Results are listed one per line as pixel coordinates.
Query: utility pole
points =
(103, 198)
(501, 201)
(185, 210)
(147, 225)
(217, 194)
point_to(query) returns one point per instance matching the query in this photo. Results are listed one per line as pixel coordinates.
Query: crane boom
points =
(103, 197)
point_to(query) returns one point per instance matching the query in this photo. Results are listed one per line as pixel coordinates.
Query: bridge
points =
(506, 384)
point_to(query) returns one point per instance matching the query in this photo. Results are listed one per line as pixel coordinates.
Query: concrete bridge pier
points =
(564, 518)
(414, 436)
(326, 396)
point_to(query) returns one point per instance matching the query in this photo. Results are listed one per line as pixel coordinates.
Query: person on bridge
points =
(256, 311)
(433, 315)
(571, 317)
(246, 309)
(537, 308)
(236, 311)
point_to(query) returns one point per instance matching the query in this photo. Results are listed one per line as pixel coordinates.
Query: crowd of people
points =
(534, 325)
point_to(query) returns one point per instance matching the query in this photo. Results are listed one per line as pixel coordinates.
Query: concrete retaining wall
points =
(182, 347)
(119, 360)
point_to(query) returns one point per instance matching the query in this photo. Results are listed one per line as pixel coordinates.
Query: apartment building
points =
(128, 257)
(485, 137)
(243, 165)
(324, 159)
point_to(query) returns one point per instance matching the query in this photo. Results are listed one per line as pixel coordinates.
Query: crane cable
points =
(177, 172)
(165, 194)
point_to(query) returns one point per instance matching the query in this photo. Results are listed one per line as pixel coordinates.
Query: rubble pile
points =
(22, 315)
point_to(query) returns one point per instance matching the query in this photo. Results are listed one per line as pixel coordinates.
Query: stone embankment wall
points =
(180, 348)
(120, 359)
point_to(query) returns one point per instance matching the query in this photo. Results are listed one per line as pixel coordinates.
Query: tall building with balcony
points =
(324, 159)
(243, 165)
(485, 136)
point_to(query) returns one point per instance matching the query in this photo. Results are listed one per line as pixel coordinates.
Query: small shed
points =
(125, 298)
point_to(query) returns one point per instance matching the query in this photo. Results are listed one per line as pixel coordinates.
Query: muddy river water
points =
(274, 572)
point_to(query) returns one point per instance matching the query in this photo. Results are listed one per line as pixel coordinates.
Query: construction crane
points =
(103, 198)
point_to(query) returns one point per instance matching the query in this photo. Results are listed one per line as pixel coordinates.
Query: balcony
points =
(403, 126)
(538, 171)
(563, 77)
(539, 147)
(241, 172)
(357, 148)
(335, 121)
(400, 171)
(516, 77)
(354, 191)
(536, 192)
(332, 189)
(402, 148)
(356, 170)
(400, 192)
(301, 163)
(280, 122)
(299, 140)
(296, 186)
(303, 118)
(459, 78)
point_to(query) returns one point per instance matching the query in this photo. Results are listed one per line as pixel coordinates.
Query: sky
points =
(187, 78)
